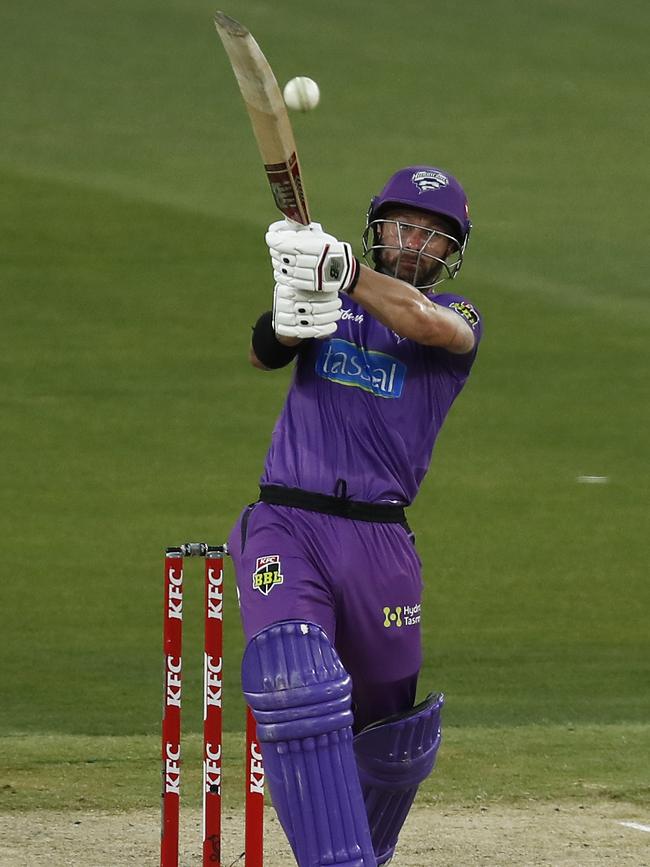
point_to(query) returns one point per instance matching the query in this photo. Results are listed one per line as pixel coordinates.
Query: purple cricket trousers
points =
(359, 581)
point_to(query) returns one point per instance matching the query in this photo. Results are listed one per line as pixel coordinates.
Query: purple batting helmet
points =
(427, 189)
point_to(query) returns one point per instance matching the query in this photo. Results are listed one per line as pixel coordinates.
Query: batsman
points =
(329, 578)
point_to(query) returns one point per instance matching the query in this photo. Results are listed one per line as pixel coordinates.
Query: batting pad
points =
(394, 756)
(300, 695)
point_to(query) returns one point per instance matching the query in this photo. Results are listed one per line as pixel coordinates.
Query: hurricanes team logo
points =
(428, 180)
(267, 574)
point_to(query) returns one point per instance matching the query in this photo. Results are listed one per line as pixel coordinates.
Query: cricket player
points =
(329, 579)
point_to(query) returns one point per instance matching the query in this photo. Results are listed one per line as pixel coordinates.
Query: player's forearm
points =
(409, 312)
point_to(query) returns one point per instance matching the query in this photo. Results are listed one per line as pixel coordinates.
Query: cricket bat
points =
(268, 114)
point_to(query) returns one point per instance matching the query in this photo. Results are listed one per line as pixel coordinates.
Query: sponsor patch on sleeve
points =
(467, 311)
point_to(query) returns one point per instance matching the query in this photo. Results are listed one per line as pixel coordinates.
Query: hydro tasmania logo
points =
(267, 574)
(429, 180)
(402, 615)
(348, 364)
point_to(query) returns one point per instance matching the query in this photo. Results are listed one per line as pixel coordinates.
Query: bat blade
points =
(268, 115)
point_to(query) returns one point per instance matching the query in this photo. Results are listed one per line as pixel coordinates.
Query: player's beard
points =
(406, 267)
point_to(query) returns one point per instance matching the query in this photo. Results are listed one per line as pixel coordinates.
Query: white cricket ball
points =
(301, 93)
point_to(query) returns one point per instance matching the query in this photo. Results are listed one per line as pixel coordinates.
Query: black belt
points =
(380, 513)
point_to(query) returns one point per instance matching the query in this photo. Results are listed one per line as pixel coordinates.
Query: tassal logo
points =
(348, 364)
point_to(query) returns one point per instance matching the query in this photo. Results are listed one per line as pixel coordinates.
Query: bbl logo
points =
(467, 311)
(267, 574)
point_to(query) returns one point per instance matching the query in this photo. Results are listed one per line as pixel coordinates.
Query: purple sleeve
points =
(469, 312)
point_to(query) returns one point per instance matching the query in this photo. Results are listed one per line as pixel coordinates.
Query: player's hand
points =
(310, 260)
(304, 314)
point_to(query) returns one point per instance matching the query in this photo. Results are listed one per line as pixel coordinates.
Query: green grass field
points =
(133, 209)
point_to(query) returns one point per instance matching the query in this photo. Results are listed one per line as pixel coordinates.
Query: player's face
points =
(413, 244)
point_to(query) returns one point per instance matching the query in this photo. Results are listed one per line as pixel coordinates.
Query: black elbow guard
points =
(266, 345)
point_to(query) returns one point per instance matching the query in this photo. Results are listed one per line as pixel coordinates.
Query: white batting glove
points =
(309, 260)
(304, 314)
(285, 225)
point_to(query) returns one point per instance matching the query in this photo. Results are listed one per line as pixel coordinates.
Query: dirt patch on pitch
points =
(538, 834)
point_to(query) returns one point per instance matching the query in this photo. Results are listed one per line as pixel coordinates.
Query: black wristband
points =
(267, 347)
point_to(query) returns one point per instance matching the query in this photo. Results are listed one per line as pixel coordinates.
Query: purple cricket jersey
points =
(366, 406)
